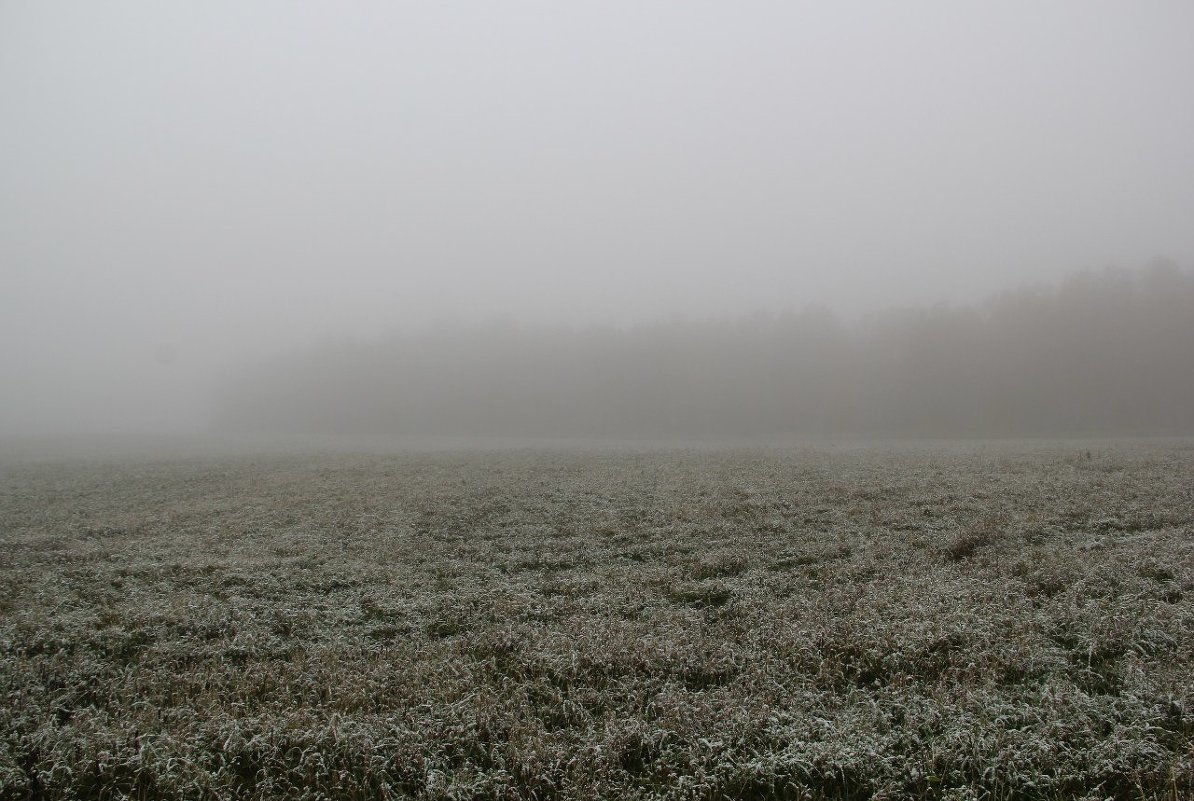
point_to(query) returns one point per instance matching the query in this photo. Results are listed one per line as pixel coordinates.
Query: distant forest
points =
(1103, 353)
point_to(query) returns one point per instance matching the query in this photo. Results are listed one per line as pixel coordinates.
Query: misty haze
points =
(1109, 353)
(613, 400)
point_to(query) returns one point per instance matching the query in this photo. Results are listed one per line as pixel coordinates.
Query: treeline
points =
(1103, 353)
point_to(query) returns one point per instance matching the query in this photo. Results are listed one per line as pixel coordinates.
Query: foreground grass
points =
(965, 623)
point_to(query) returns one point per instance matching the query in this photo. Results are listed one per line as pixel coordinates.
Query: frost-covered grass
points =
(966, 622)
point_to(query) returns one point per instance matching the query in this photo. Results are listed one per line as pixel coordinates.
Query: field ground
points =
(971, 621)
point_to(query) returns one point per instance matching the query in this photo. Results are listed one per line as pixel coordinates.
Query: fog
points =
(615, 220)
(1105, 353)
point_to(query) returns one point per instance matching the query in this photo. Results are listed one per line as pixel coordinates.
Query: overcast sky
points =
(186, 185)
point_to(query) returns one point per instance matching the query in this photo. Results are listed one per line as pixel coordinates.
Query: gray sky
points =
(186, 186)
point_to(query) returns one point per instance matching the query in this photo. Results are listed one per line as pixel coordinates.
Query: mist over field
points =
(665, 400)
(1103, 354)
(624, 220)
